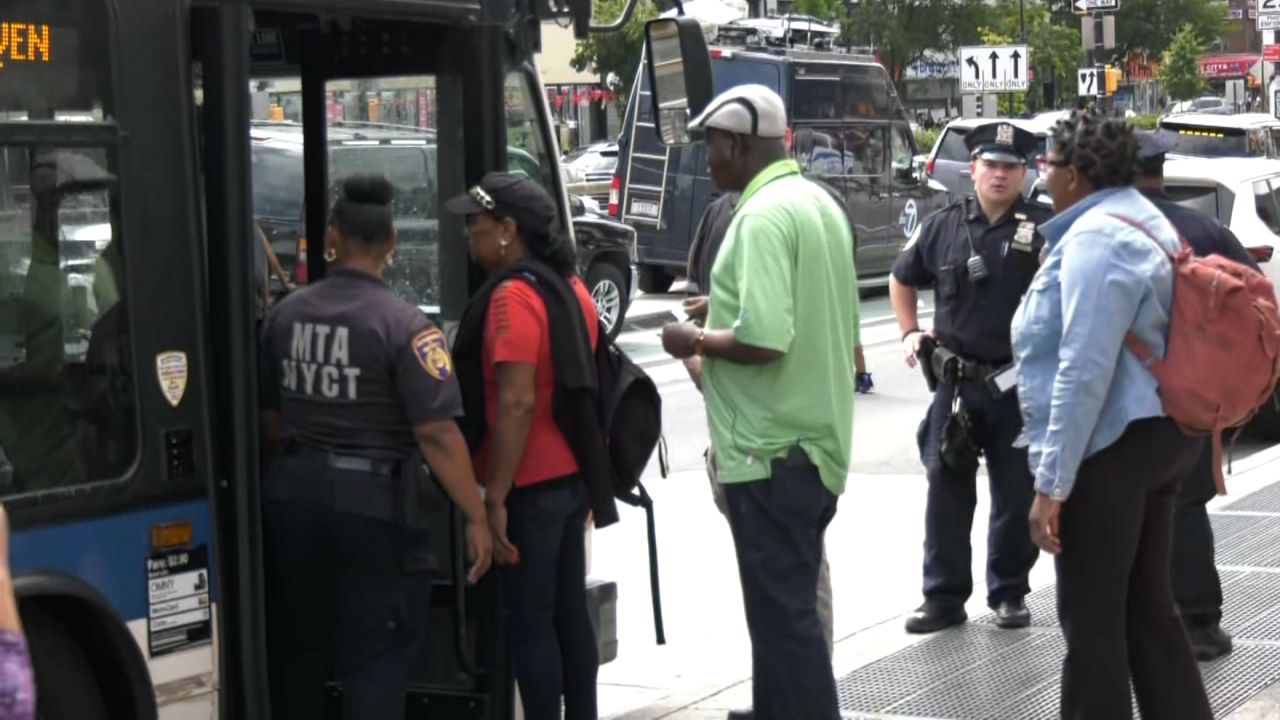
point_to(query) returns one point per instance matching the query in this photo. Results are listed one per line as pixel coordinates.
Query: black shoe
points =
(1209, 642)
(932, 617)
(1012, 614)
(745, 714)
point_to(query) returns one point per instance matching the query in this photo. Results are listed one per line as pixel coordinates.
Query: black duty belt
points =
(350, 462)
(947, 364)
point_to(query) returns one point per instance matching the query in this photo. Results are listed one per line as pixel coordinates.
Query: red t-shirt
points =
(516, 331)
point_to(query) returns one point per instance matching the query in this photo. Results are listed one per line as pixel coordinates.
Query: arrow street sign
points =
(1082, 7)
(1268, 7)
(1086, 82)
(994, 68)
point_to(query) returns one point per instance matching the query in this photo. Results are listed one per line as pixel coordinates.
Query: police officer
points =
(1196, 585)
(979, 254)
(358, 390)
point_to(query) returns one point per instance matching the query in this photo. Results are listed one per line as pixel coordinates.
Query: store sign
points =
(1226, 68)
(1271, 53)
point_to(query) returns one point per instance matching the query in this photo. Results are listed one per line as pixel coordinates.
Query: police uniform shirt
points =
(350, 365)
(972, 319)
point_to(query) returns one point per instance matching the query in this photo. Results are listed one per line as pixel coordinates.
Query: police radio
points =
(976, 266)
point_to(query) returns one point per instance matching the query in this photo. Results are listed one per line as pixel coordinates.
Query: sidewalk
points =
(980, 671)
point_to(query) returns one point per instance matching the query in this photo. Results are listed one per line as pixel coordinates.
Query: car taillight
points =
(1042, 163)
(1261, 253)
(300, 262)
(790, 140)
(615, 187)
(928, 167)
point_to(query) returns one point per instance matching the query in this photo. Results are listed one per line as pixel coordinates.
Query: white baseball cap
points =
(746, 110)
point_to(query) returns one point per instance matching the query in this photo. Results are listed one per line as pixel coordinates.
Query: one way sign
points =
(993, 68)
(1088, 82)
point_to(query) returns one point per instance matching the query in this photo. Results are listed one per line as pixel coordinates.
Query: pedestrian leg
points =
(578, 653)
(1010, 552)
(949, 507)
(1196, 585)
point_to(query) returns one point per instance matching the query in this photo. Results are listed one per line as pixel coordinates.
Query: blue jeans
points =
(552, 645)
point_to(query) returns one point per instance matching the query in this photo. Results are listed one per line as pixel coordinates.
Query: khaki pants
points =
(824, 572)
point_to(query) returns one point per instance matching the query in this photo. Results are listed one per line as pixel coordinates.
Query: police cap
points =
(1152, 146)
(509, 195)
(1000, 142)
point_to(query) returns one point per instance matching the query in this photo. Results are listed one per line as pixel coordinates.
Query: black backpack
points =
(631, 416)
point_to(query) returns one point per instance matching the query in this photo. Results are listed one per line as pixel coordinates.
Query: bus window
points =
(67, 404)
(385, 126)
(526, 145)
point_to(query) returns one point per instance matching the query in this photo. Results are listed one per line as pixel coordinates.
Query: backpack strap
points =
(1131, 341)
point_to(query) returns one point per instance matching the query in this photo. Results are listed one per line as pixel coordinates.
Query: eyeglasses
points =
(478, 194)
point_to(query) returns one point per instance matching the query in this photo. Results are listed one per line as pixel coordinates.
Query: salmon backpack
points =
(1223, 355)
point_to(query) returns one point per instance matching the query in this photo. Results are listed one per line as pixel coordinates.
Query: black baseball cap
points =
(1152, 147)
(509, 195)
(1000, 142)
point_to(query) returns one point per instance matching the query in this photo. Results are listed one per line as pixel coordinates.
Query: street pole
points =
(1022, 20)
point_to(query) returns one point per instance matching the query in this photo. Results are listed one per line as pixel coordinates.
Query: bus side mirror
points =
(679, 70)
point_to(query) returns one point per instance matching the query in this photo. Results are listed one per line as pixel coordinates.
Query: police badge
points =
(1004, 134)
(1024, 236)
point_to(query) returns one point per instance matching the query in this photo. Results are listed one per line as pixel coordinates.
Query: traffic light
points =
(1113, 79)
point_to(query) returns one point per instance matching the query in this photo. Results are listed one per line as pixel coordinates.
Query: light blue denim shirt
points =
(1078, 387)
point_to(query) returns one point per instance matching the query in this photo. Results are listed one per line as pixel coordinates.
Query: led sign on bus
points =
(23, 42)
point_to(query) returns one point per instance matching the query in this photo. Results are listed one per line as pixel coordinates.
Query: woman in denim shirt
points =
(1106, 460)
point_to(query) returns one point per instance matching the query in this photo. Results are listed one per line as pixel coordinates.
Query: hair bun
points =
(368, 189)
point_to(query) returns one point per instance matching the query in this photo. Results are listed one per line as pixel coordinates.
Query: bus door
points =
(433, 104)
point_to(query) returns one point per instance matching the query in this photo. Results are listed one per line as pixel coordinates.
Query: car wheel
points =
(654, 279)
(607, 285)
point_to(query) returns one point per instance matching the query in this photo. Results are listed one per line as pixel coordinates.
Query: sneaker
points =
(1209, 642)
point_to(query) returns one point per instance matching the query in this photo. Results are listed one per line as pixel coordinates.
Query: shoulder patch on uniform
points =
(432, 351)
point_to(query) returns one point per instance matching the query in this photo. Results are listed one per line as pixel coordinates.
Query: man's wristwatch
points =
(697, 343)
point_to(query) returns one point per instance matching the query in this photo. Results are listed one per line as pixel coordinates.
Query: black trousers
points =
(778, 526)
(1114, 599)
(953, 497)
(347, 592)
(1196, 585)
(553, 647)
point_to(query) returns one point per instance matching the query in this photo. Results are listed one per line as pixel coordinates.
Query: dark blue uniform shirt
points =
(972, 318)
(1203, 233)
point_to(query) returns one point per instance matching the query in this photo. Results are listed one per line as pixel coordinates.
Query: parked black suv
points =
(406, 155)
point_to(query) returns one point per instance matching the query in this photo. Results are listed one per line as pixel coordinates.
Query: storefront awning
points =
(1227, 66)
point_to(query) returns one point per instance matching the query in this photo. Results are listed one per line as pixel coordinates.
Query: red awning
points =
(1227, 66)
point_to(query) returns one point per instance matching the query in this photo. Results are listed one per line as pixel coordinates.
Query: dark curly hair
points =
(1104, 150)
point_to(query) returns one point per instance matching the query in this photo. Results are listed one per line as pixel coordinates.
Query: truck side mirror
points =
(679, 70)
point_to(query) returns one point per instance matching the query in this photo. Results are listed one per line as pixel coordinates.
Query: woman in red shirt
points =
(537, 499)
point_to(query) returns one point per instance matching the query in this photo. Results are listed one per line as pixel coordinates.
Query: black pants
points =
(1196, 586)
(347, 592)
(778, 526)
(553, 648)
(1114, 599)
(953, 496)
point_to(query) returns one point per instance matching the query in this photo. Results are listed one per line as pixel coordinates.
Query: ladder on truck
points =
(656, 216)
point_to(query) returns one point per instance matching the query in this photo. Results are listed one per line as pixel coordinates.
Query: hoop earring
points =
(391, 259)
(330, 254)
(502, 247)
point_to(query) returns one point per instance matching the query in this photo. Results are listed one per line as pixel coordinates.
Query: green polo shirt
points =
(784, 280)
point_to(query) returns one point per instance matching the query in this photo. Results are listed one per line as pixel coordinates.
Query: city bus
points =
(129, 455)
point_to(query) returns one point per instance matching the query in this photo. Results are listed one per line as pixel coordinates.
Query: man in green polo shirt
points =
(778, 376)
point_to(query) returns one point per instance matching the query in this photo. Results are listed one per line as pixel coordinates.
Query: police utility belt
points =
(942, 365)
(401, 488)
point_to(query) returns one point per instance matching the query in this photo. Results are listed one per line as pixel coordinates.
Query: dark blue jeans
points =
(778, 526)
(553, 648)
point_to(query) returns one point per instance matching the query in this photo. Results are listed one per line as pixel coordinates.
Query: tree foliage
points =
(902, 31)
(1180, 65)
(615, 53)
(1153, 24)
